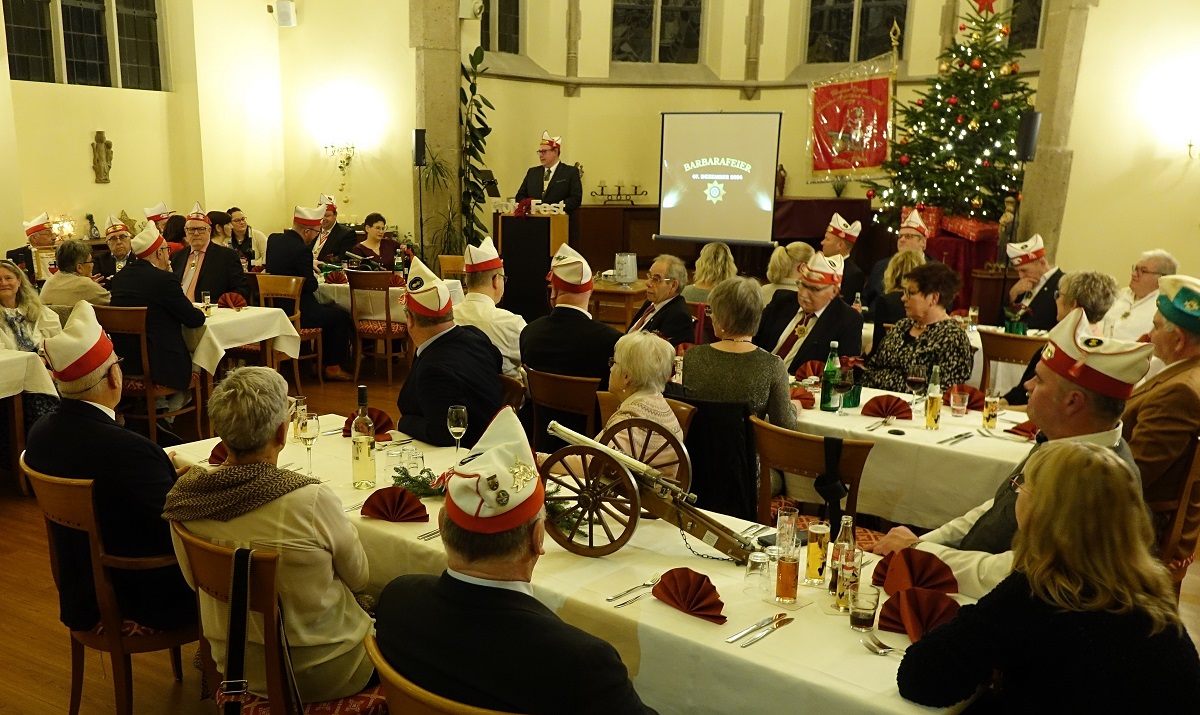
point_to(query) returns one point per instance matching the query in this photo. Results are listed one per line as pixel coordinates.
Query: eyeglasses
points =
(655, 278)
(196, 230)
(544, 151)
(1139, 272)
(1017, 484)
(239, 220)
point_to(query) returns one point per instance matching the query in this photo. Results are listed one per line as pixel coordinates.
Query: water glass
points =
(772, 553)
(958, 403)
(785, 525)
(414, 461)
(758, 569)
(864, 600)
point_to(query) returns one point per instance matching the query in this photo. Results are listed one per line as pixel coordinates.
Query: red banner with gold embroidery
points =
(850, 125)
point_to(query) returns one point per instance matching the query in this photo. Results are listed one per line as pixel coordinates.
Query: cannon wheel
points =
(592, 501)
(638, 433)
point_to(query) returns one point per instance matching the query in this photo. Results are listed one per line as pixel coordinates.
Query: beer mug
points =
(818, 543)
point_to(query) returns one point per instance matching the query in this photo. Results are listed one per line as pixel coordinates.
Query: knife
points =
(955, 438)
(635, 598)
(961, 438)
(767, 630)
(764, 622)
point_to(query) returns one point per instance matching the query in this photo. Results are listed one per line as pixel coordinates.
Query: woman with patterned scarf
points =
(249, 501)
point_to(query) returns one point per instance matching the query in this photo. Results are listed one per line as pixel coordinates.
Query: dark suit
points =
(131, 484)
(839, 322)
(1043, 310)
(673, 321)
(460, 367)
(289, 255)
(568, 342)
(341, 239)
(425, 624)
(853, 281)
(106, 266)
(564, 186)
(140, 284)
(23, 257)
(874, 286)
(220, 273)
(885, 310)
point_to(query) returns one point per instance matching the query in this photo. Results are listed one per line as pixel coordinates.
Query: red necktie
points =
(793, 337)
(644, 319)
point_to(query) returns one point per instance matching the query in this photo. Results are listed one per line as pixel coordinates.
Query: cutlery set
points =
(886, 421)
(951, 441)
(430, 535)
(764, 628)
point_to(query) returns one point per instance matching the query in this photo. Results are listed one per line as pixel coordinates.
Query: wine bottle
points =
(844, 542)
(933, 399)
(830, 377)
(362, 445)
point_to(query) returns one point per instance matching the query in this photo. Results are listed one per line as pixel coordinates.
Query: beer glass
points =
(818, 542)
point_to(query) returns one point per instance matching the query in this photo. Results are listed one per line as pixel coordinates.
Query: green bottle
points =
(829, 377)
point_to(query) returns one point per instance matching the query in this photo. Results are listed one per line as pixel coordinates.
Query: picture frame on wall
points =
(43, 259)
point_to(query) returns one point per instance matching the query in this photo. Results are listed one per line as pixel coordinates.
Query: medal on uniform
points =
(801, 329)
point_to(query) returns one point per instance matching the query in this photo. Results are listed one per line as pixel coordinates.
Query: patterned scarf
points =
(21, 330)
(229, 492)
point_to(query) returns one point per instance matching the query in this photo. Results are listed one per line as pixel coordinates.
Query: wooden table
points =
(617, 304)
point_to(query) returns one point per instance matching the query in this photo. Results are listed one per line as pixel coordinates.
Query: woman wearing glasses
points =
(377, 246)
(73, 282)
(245, 239)
(1087, 621)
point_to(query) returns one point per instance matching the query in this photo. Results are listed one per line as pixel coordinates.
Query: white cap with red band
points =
(1106, 366)
(114, 225)
(570, 271)
(482, 257)
(148, 241)
(326, 201)
(197, 214)
(427, 294)
(1021, 253)
(158, 212)
(39, 223)
(308, 217)
(913, 222)
(847, 231)
(823, 270)
(553, 142)
(496, 487)
(80, 348)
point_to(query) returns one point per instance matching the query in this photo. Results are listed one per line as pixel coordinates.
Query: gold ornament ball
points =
(975, 36)
(944, 67)
(976, 203)
(1005, 70)
(952, 165)
(974, 125)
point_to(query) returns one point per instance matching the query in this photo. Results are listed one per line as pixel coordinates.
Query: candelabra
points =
(618, 196)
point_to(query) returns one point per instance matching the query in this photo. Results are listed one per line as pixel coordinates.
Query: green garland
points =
(420, 485)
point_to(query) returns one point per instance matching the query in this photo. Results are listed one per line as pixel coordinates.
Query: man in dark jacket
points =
(552, 181)
(1037, 283)
(206, 267)
(334, 239)
(799, 326)
(666, 311)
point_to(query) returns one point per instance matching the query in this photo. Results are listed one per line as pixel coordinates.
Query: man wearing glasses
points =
(1132, 313)
(117, 236)
(552, 181)
(1036, 284)
(207, 267)
(799, 326)
(665, 311)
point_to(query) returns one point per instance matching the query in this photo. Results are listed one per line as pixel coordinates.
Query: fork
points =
(430, 535)
(651, 582)
(881, 423)
(987, 432)
(881, 647)
(352, 507)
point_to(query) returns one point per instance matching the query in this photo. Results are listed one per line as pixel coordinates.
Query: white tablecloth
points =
(23, 372)
(679, 664)
(909, 478)
(228, 328)
(372, 301)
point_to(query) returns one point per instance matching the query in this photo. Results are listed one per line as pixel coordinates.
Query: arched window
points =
(1026, 25)
(852, 30)
(664, 31)
(500, 26)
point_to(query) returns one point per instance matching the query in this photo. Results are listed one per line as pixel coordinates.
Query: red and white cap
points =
(327, 202)
(1106, 366)
(823, 270)
(308, 217)
(913, 222)
(158, 212)
(197, 214)
(552, 142)
(427, 294)
(843, 230)
(496, 487)
(1021, 253)
(570, 271)
(80, 348)
(114, 225)
(148, 241)
(39, 223)
(482, 257)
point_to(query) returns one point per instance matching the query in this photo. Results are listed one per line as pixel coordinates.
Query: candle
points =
(603, 183)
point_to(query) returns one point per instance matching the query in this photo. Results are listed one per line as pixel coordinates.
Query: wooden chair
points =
(407, 698)
(1003, 347)
(211, 570)
(574, 395)
(132, 321)
(70, 503)
(512, 392)
(683, 411)
(452, 266)
(703, 324)
(804, 454)
(271, 291)
(369, 330)
(1170, 516)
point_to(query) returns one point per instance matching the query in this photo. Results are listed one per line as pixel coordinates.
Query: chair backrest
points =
(70, 503)
(62, 311)
(451, 266)
(1173, 513)
(406, 697)
(703, 333)
(512, 392)
(576, 395)
(684, 414)
(211, 571)
(272, 288)
(720, 443)
(804, 455)
(1004, 347)
(374, 281)
(128, 321)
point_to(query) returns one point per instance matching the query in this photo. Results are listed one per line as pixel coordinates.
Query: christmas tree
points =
(956, 145)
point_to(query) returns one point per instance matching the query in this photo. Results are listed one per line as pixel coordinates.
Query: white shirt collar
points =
(553, 167)
(518, 586)
(429, 342)
(1107, 438)
(106, 410)
(480, 298)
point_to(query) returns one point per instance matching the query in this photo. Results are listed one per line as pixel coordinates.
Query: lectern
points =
(526, 243)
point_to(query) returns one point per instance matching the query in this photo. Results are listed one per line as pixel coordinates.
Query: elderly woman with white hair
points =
(248, 500)
(783, 271)
(73, 282)
(640, 367)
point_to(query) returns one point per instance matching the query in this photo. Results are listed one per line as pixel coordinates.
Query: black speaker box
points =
(1027, 135)
(418, 147)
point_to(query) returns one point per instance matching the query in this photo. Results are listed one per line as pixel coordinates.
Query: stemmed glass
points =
(842, 387)
(456, 421)
(309, 427)
(916, 381)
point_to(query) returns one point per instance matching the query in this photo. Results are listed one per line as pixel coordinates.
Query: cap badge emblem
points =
(1192, 305)
(416, 283)
(502, 498)
(1092, 342)
(522, 474)
(1048, 352)
(493, 483)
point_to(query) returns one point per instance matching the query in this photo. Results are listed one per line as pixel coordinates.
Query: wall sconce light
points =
(343, 152)
(63, 227)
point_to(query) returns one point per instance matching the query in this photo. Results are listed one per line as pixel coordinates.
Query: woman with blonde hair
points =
(888, 308)
(714, 265)
(1087, 621)
(783, 272)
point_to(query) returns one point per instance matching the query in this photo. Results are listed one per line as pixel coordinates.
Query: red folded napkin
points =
(382, 422)
(887, 406)
(805, 397)
(336, 277)
(256, 269)
(916, 611)
(910, 568)
(812, 368)
(231, 300)
(975, 396)
(394, 504)
(397, 281)
(1026, 429)
(219, 454)
(691, 592)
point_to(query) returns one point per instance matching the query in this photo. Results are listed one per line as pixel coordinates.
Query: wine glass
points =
(916, 382)
(308, 429)
(456, 421)
(844, 384)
